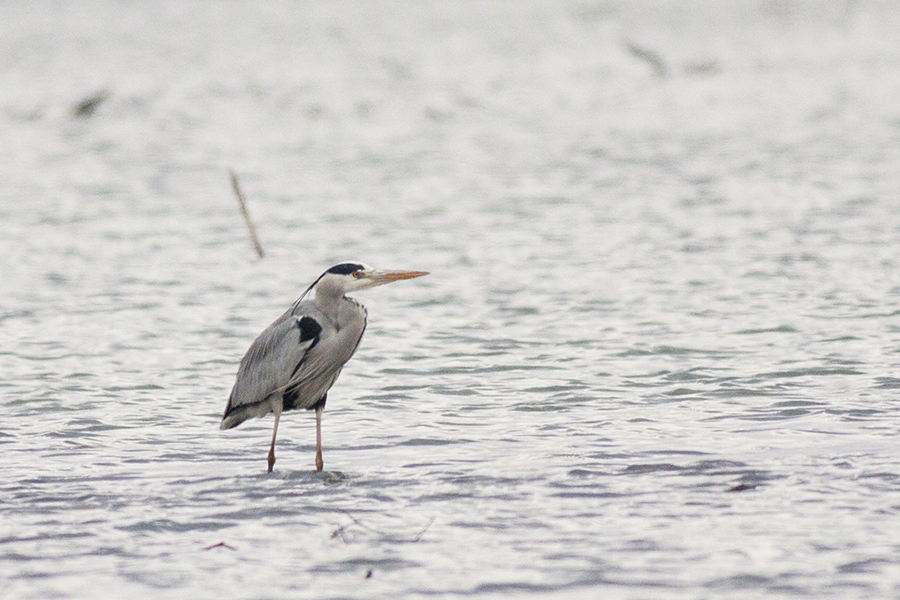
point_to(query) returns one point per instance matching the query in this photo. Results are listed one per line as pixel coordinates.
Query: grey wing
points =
(268, 366)
(314, 377)
(322, 364)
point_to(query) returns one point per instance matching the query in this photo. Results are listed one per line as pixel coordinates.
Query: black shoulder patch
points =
(309, 328)
(320, 403)
(345, 268)
(290, 398)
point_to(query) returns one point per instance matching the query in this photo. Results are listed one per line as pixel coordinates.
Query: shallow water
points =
(657, 355)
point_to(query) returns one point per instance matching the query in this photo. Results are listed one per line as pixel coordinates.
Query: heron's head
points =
(355, 276)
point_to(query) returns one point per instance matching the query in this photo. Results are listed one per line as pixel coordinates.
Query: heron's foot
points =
(271, 461)
(320, 464)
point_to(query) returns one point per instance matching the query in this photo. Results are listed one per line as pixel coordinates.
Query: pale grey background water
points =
(658, 355)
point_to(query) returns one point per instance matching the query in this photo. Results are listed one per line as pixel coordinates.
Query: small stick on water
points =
(240, 196)
(652, 58)
(89, 105)
(423, 530)
(220, 545)
(344, 529)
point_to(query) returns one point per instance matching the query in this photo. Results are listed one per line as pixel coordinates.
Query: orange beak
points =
(382, 277)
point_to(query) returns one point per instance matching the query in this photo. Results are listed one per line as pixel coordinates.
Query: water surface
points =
(657, 356)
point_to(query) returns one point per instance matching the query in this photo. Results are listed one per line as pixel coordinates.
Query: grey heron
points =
(296, 360)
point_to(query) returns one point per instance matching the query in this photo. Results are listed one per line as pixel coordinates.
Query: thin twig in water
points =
(86, 107)
(652, 58)
(422, 532)
(240, 196)
(220, 545)
(340, 532)
(344, 529)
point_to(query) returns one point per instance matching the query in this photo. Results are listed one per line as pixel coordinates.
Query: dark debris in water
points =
(348, 532)
(89, 105)
(222, 545)
(742, 487)
(650, 57)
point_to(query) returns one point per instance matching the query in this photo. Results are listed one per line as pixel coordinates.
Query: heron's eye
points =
(357, 274)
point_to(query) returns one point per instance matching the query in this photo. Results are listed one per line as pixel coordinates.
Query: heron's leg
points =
(274, 433)
(319, 463)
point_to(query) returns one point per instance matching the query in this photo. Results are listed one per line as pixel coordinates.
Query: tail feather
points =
(235, 415)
